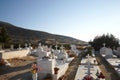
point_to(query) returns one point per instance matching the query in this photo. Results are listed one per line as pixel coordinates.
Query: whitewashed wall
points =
(14, 54)
(47, 66)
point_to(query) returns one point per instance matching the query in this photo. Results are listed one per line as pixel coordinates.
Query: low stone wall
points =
(14, 54)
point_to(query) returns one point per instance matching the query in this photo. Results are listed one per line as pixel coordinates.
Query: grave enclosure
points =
(51, 62)
(14, 53)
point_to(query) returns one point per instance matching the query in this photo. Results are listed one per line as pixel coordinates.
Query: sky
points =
(80, 19)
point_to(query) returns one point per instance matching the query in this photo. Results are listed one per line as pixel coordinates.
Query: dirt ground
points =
(71, 72)
(73, 66)
(19, 69)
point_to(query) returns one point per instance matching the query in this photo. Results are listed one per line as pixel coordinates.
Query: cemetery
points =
(60, 40)
(53, 64)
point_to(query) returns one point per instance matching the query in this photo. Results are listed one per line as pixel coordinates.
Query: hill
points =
(19, 34)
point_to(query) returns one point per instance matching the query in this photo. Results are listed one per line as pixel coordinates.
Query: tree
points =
(108, 39)
(4, 37)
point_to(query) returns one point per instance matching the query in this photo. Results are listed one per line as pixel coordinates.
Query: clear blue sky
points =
(81, 19)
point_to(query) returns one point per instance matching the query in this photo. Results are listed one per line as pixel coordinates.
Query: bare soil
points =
(71, 72)
(19, 69)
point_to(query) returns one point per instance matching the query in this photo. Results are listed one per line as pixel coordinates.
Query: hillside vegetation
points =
(21, 35)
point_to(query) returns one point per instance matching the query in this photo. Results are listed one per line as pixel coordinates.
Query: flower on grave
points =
(34, 68)
(101, 75)
(33, 71)
(88, 77)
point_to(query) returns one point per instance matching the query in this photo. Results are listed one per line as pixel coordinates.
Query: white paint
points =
(15, 54)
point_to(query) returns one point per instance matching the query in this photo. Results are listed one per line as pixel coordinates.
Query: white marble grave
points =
(74, 49)
(56, 51)
(117, 52)
(43, 51)
(115, 62)
(87, 67)
(62, 55)
(48, 63)
(47, 66)
(106, 52)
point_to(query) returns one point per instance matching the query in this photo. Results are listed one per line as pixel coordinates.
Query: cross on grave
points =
(39, 44)
(29, 44)
(56, 46)
(61, 47)
(88, 76)
(104, 44)
(12, 47)
(88, 63)
(19, 46)
(25, 45)
(50, 47)
(88, 57)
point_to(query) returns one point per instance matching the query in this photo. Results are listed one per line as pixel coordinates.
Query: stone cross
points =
(26, 46)
(39, 45)
(88, 57)
(61, 47)
(88, 64)
(12, 47)
(56, 46)
(19, 46)
(104, 44)
(50, 48)
(88, 67)
(29, 44)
